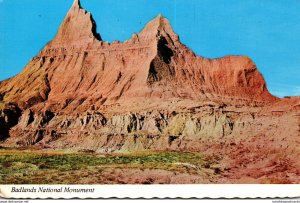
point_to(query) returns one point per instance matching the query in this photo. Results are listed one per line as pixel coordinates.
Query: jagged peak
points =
(78, 28)
(158, 26)
(158, 23)
(77, 3)
(163, 22)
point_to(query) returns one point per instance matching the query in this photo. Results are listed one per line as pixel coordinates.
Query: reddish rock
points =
(150, 92)
(77, 65)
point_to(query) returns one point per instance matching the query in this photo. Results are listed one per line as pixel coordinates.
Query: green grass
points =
(35, 167)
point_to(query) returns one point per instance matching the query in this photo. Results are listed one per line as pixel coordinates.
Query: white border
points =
(159, 191)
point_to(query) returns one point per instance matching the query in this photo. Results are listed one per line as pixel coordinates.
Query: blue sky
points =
(268, 31)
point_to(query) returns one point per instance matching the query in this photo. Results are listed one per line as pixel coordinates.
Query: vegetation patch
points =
(39, 167)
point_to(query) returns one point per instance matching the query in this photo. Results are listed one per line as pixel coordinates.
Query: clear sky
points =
(268, 31)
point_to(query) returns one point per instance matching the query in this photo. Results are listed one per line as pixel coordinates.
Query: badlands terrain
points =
(143, 111)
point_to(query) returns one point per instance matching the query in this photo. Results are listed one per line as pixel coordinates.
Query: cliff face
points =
(150, 92)
(77, 67)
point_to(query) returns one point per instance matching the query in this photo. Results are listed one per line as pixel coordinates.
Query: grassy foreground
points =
(40, 167)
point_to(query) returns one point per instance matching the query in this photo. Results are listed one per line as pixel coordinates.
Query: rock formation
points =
(150, 92)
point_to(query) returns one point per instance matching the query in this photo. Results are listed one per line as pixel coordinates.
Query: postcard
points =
(144, 99)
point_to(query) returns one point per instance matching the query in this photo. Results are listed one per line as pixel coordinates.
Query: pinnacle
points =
(77, 3)
(161, 20)
(160, 16)
(78, 27)
(159, 24)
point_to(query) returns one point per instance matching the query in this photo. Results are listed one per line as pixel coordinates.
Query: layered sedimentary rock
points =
(78, 67)
(150, 92)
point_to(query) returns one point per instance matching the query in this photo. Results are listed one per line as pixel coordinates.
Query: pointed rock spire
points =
(157, 27)
(159, 23)
(78, 28)
(77, 3)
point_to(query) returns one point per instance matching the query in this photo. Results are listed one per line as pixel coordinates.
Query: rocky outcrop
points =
(150, 92)
(77, 67)
(78, 29)
(193, 129)
(9, 116)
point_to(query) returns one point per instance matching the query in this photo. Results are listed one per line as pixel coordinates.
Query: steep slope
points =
(77, 67)
(78, 29)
